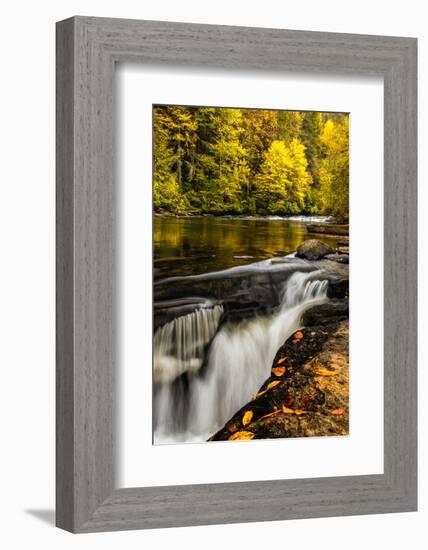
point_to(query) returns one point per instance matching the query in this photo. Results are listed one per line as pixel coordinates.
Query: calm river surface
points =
(194, 245)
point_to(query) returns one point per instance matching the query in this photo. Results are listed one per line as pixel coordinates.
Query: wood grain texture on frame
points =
(87, 50)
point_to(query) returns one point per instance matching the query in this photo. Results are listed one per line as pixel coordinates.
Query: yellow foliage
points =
(246, 419)
(241, 436)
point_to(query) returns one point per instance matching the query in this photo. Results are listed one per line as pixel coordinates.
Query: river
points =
(205, 369)
(193, 245)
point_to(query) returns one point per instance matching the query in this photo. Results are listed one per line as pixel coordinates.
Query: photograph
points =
(250, 274)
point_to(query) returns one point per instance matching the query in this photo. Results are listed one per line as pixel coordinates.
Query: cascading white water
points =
(179, 345)
(239, 361)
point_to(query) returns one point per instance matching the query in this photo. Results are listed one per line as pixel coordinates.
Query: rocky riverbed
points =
(307, 393)
(260, 350)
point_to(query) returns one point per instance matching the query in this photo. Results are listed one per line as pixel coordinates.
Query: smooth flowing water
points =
(205, 369)
(194, 245)
(239, 360)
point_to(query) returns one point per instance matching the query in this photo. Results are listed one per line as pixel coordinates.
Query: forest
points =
(228, 161)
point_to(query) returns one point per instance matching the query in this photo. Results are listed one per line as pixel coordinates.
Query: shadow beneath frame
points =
(47, 515)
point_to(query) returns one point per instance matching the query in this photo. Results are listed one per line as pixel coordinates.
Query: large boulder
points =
(313, 249)
(324, 314)
(244, 292)
(338, 287)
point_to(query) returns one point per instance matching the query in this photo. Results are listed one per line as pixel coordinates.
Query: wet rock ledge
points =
(307, 393)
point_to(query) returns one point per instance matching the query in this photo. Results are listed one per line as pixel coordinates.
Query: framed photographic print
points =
(236, 274)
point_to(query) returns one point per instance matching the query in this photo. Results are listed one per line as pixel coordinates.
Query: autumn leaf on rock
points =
(270, 386)
(298, 412)
(246, 419)
(320, 371)
(241, 436)
(270, 414)
(278, 371)
(298, 335)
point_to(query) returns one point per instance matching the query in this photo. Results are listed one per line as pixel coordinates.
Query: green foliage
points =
(222, 160)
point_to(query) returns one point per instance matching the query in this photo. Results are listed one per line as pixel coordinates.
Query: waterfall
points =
(179, 346)
(239, 360)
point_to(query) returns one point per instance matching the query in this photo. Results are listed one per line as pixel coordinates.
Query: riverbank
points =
(332, 229)
(309, 218)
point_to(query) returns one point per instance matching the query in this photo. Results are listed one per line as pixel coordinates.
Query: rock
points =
(329, 229)
(325, 314)
(313, 249)
(244, 291)
(339, 258)
(311, 396)
(338, 287)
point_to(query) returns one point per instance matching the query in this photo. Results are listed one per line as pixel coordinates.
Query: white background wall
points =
(27, 271)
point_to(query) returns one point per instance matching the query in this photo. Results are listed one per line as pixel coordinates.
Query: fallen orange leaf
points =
(298, 335)
(270, 414)
(278, 371)
(299, 412)
(337, 411)
(320, 371)
(241, 436)
(270, 386)
(281, 360)
(246, 419)
(286, 410)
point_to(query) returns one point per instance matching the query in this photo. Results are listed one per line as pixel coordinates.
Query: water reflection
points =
(194, 245)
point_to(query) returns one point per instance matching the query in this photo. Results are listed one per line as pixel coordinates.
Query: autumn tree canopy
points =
(250, 161)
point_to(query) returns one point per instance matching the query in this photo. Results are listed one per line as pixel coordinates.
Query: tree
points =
(334, 170)
(182, 134)
(289, 125)
(223, 169)
(300, 177)
(259, 129)
(312, 125)
(283, 180)
(224, 160)
(166, 190)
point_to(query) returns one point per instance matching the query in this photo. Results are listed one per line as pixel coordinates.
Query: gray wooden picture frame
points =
(87, 50)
